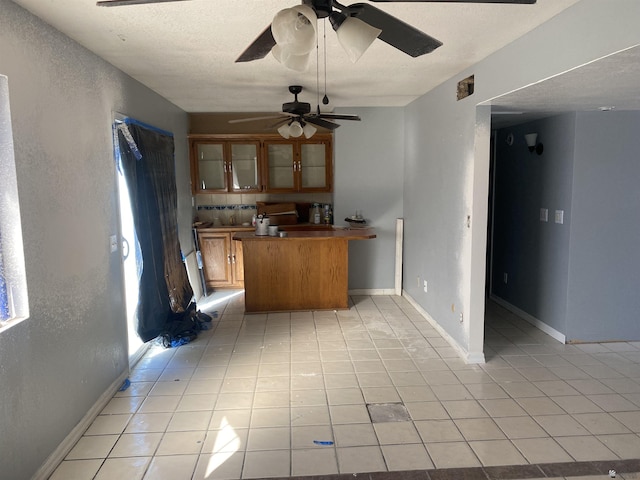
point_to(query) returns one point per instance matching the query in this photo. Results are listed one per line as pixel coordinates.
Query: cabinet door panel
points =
(238, 270)
(280, 174)
(244, 166)
(211, 167)
(314, 168)
(216, 258)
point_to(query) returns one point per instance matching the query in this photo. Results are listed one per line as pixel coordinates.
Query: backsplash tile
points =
(236, 209)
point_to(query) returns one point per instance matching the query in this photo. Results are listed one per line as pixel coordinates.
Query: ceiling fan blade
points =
(119, 3)
(521, 2)
(337, 116)
(395, 32)
(260, 47)
(321, 123)
(254, 119)
(278, 123)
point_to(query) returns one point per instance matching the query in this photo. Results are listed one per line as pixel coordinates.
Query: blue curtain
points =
(147, 162)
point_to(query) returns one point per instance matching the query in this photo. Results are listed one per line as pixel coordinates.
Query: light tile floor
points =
(286, 394)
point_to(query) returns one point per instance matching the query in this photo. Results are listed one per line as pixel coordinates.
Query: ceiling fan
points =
(296, 116)
(356, 25)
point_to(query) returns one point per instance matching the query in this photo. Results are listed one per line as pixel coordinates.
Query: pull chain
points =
(325, 99)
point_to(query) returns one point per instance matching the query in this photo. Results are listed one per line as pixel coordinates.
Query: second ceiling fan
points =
(296, 116)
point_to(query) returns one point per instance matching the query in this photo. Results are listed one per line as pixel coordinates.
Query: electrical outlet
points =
(425, 286)
(505, 277)
(461, 317)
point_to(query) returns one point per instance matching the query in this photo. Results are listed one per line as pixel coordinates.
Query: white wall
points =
(55, 365)
(368, 166)
(447, 158)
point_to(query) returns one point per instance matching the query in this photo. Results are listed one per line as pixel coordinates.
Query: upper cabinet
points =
(221, 166)
(260, 163)
(298, 166)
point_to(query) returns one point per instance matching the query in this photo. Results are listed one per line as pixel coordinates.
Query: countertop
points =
(208, 227)
(225, 228)
(336, 232)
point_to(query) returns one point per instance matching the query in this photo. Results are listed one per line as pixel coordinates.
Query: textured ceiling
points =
(609, 83)
(185, 51)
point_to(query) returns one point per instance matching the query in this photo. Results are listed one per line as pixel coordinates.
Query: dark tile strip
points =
(406, 475)
(573, 469)
(475, 473)
(513, 472)
(620, 466)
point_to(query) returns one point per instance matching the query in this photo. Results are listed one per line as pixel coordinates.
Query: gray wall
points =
(534, 254)
(604, 254)
(368, 176)
(56, 364)
(581, 277)
(447, 158)
(436, 204)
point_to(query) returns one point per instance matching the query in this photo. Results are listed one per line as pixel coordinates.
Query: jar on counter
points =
(315, 214)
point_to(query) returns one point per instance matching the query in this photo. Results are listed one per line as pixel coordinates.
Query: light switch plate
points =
(113, 243)
(559, 216)
(544, 214)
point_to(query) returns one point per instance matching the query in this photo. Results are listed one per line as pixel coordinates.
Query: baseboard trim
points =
(468, 357)
(59, 454)
(530, 318)
(136, 357)
(373, 291)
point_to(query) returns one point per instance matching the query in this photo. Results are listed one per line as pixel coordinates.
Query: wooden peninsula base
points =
(306, 270)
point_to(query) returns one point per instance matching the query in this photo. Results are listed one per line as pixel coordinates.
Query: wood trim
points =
(254, 137)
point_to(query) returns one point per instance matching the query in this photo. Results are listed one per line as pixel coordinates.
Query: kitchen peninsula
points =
(306, 270)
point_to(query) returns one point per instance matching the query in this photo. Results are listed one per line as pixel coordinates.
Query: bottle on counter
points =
(328, 215)
(315, 214)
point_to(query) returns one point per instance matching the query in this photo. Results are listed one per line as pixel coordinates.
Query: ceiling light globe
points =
(295, 129)
(294, 29)
(284, 130)
(356, 36)
(309, 130)
(299, 63)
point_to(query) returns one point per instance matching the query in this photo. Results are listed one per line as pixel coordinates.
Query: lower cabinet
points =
(221, 259)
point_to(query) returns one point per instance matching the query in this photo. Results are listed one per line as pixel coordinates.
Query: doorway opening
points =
(131, 257)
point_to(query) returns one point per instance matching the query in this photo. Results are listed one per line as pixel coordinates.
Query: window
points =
(13, 286)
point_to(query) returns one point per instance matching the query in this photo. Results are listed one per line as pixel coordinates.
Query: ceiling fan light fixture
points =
(294, 29)
(283, 130)
(354, 35)
(309, 130)
(299, 63)
(295, 129)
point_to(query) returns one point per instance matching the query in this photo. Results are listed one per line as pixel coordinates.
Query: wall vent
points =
(465, 87)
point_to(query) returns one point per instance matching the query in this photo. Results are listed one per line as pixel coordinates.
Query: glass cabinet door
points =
(313, 166)
(211, 166)
(244, 167)
(280, 164)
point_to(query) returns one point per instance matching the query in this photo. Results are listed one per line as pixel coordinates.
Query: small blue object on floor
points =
(125, 385)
